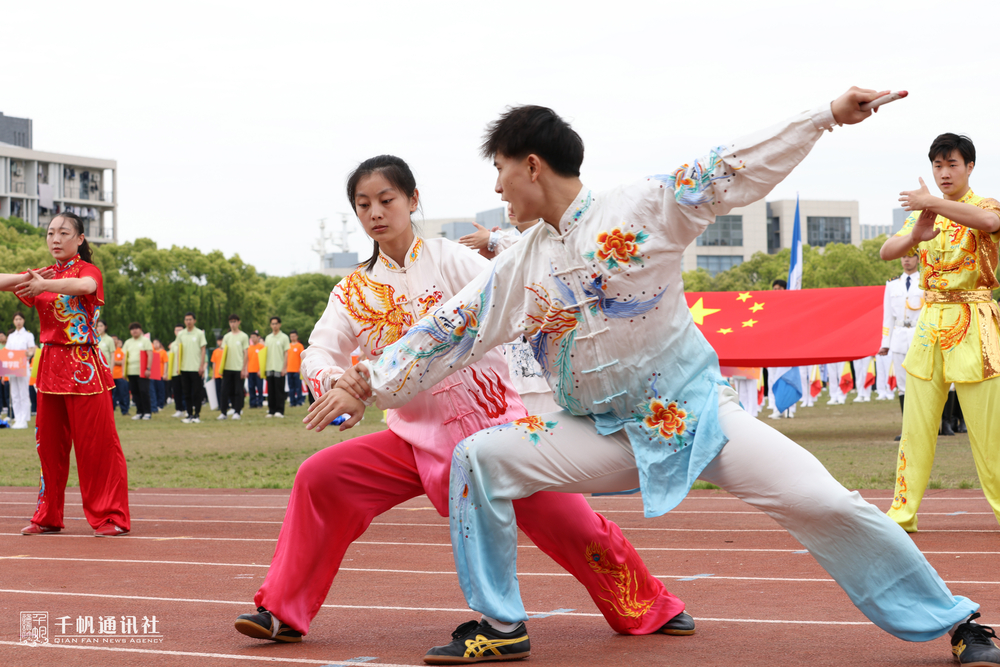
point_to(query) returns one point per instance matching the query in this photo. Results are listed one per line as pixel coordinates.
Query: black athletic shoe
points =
(478, 641)
(263, 625)
(972, 644)
(681, 624)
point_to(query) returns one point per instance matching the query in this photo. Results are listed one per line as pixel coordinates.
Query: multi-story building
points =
(767, 227)
(37, 185)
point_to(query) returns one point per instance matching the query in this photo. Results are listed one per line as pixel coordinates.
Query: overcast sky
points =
(235, 124)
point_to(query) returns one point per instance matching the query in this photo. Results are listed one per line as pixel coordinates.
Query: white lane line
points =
(452, 572)
(192, 654)
(245, 603)
(208, 507)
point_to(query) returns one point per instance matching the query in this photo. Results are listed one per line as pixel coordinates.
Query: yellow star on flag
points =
(743, 296)
(750, 323)
(699, 311)
(757, 307)
(724, 331)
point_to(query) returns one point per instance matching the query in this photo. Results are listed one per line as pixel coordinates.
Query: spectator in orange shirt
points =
(217, 371)
(157, 387)
(255, 384)
(120, 392)
(295, 396)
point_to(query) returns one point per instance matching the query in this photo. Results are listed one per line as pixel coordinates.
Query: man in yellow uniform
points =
(957, 337)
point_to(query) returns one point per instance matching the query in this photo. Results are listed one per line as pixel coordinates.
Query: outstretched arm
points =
(747, 169)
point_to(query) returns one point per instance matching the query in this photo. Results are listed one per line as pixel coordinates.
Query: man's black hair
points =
(191, 314)
(945, 143)
(234, 318)
(781, 283)
(273, 318)
(134, 325)
(523, 131)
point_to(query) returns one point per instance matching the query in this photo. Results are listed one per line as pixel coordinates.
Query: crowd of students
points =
(186, 374)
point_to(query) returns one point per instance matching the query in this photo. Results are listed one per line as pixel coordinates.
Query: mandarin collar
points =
(411, 256)
(62, 266)
(576, 210)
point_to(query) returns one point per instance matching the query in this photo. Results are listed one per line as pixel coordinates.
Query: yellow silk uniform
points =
(957, 340)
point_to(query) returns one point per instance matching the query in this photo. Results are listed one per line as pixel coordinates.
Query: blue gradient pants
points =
(865, 552)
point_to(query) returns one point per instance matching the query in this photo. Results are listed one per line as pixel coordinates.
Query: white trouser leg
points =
(866, 552)
(20, 400)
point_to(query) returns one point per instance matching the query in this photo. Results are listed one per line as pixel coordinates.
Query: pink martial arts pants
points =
(339, 490)
(86, 422)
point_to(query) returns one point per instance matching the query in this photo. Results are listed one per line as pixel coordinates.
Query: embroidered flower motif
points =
(534, 425)
(669, 420)
(618, 247)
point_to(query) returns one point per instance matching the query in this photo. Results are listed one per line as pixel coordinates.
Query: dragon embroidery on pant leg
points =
(625, 594)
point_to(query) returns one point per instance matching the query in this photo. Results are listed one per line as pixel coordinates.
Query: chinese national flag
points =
(790, 327)
(846, 380)
(760, 389)
(892, 377)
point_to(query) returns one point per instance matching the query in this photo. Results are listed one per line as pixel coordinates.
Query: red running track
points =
(196, 557)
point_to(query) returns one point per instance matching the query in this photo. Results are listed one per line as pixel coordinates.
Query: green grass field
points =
(854, 441)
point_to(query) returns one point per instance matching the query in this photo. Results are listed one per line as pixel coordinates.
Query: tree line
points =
(157, 286)
(836, 265)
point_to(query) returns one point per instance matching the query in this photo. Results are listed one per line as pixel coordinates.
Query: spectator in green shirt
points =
(106, 344)
(277, 345)
(138, 377)
(234, 369)
(191, 346)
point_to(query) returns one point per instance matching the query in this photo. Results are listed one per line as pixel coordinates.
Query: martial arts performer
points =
(644, 401)
(339, 490)
(957, 338)
(74, 379)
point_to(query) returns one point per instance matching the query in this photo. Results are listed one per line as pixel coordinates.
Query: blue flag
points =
(788, 386)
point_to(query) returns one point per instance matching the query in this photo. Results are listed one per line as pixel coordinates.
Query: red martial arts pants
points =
(88, 424)
(339, 490)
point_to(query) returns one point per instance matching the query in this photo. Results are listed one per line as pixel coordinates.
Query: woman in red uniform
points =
(73, 384)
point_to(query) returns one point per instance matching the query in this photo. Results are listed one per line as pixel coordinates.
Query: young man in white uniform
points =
(597, 290)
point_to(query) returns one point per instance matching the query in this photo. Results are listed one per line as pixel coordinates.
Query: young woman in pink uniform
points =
(340, 490)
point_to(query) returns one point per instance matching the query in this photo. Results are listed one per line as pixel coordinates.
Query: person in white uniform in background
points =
(833, 371)
(901, 309)
(883, 362)
(527, 376)
(21, 339)
(860, 377)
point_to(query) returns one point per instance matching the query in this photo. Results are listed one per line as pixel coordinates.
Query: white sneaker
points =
(268, 415)
(136, 417)
(236, 417)
(221, 418)
(19, 426)
(186, 420)
(180, 413)
(147, 417)
(231, 412)
(776, 415)
(195, 420)
(279, 415)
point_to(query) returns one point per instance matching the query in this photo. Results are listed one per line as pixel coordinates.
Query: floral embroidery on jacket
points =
(616, 247)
